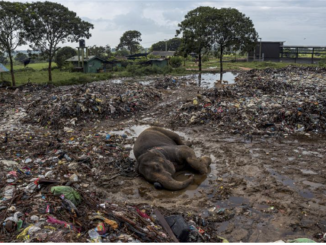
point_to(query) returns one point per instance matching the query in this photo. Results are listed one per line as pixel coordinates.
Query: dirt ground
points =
(264, 189)
(271, 188)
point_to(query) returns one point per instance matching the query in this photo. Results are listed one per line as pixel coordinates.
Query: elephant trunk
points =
(173, 185)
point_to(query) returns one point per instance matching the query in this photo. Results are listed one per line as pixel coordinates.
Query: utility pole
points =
(260, 50)
(166, 45)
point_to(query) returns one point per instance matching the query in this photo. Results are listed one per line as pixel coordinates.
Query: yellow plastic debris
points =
(23, 235)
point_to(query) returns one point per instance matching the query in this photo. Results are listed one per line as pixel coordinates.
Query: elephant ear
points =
(166, 180)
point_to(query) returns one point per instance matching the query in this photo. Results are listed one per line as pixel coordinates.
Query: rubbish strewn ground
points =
(68, 171)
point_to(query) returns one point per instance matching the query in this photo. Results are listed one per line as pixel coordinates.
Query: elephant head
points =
(156, 168)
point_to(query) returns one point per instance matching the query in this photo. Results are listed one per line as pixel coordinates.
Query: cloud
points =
(278, 20)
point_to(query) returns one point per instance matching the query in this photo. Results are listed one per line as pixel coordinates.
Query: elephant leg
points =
(167, 181)
(175, 137)
(199, 164)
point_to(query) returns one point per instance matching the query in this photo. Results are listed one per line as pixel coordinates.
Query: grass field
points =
(35, 66)
(214, 65)
(38, 74)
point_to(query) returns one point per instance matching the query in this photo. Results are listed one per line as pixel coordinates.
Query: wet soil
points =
(274, 188)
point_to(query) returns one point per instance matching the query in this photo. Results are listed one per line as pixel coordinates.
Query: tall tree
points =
(49, 24)
(130, 40)
(196, 32)
(11, 30)
(171, 45)
(232, 30)
(63, 54)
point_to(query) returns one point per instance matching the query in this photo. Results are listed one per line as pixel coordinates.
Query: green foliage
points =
(205, 58)
(171, 45)
(122, 52)
(100, 51)
(20, 57)
(130, 40)
(47, 24)
(175, 61)
(196, 32)
(3, 59)
(11, 29)
(63, 54)
(322, 62)
(231, 30)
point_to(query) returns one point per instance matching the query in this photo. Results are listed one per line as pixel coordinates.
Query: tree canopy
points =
(232, 30)
(196, 30)
(171, 45)
(100, 51)
(49, 24)
(130, 40)
(224, 29)
(63, 54)
(11, 29)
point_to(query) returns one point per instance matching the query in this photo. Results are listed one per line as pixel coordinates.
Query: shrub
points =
(205, 58)
(175, 61)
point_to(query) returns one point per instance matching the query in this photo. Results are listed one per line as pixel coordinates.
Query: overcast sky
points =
(298, 22)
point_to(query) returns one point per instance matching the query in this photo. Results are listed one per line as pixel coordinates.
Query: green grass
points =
(35, 66)
(58, 77)
(214, 65)
(37, 75)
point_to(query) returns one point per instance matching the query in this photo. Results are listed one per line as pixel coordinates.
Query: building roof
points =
(163, 53)
(75, 58)
(302, 46)
(3, 68)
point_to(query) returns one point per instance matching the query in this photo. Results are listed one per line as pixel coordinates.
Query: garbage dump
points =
(56, 159)
(85, 103)
(272, 102)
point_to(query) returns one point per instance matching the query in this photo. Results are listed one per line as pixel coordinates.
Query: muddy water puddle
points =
(291, 184)
(208, 80)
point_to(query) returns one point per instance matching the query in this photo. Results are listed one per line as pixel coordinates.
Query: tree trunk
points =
(199, 61)
(13, 83)
(221, 65)
(50, 72)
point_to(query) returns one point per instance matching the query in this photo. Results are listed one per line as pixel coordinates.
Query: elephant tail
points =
(173, 185)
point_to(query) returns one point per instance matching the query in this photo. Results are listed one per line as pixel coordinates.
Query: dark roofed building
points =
(92, 64)
(267, 51)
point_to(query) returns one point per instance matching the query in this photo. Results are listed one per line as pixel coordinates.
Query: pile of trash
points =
(269, 102)
(168, 82)
(88, 103)
(51, 194)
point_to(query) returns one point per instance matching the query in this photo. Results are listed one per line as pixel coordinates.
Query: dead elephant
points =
(160, 153)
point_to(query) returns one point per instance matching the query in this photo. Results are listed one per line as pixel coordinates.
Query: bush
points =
(322, 62)
(205, 58)
(175, 61)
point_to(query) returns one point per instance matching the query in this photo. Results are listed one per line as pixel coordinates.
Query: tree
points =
(3, 58)
(11, 29)
(63, 54)
(100, 52)
(49, 24)
(231, 30)
(20, 57)
(130, 40)
(196, 32)
(122, 52)
(171, 45)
